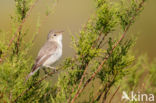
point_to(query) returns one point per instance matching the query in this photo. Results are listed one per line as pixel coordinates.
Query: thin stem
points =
(84, 73)
(103, 38)
(102, 63)
(108, 88)
(17, 44)
(114, 94)
(107, 91)
(28, 89)
(97, 71)
(99, 94)
(23, 21)
(19, 28)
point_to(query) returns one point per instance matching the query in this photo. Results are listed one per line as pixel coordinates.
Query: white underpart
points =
(55, 56)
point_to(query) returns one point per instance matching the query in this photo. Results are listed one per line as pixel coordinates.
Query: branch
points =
(97, 71)
(38, 82)
(103, 38)
(84, 73)
(102, 63)
(108, 89)
(99, 93)
(114, 94)
(19, 28)
(23, 21)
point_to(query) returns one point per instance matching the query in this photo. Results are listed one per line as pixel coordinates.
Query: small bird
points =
(49, 53)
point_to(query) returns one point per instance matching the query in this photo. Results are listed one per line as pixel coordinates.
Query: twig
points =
(23, 21)
(19, 33)
(84, 73)
(19, 28)
(106, 92)
(103, 38)
(49, 74)
(102, 63)
(24, 92)
(78, 92)
(114, 94)
(99, 93)
(94, 74)
(109, 87)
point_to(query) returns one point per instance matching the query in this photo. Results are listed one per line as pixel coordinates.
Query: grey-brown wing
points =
(45, 52)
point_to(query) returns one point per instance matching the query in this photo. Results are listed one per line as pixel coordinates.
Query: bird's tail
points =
(29, 75)
(34, 70)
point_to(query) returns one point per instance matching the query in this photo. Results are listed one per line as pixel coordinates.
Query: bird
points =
(49, 53)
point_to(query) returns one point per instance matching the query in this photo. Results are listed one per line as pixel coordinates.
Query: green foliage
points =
(15, 67)
(152, 79)
(107, 16)
(22, 7)
(114, 69)
(141, 77)
(90, 53)
(99, 58)
(128, 10)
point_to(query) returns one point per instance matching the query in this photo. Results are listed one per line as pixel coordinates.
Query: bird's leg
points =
(50, 67)
(53, 68)
(45, 71)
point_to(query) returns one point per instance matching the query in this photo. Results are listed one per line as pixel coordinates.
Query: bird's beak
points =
(60, 32)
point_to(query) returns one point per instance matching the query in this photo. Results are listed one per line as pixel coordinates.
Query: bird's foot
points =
(45, 71)
(53, 68)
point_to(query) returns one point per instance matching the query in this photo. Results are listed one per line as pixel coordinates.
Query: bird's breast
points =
(53, 58)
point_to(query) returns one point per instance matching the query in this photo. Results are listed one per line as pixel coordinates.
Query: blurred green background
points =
(71, 15)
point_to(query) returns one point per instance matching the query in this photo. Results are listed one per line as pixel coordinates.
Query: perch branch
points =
(24, 92)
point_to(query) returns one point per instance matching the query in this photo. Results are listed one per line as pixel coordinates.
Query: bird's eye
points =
(54, 34)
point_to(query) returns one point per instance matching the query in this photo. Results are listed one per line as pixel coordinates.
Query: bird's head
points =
(55, 35)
